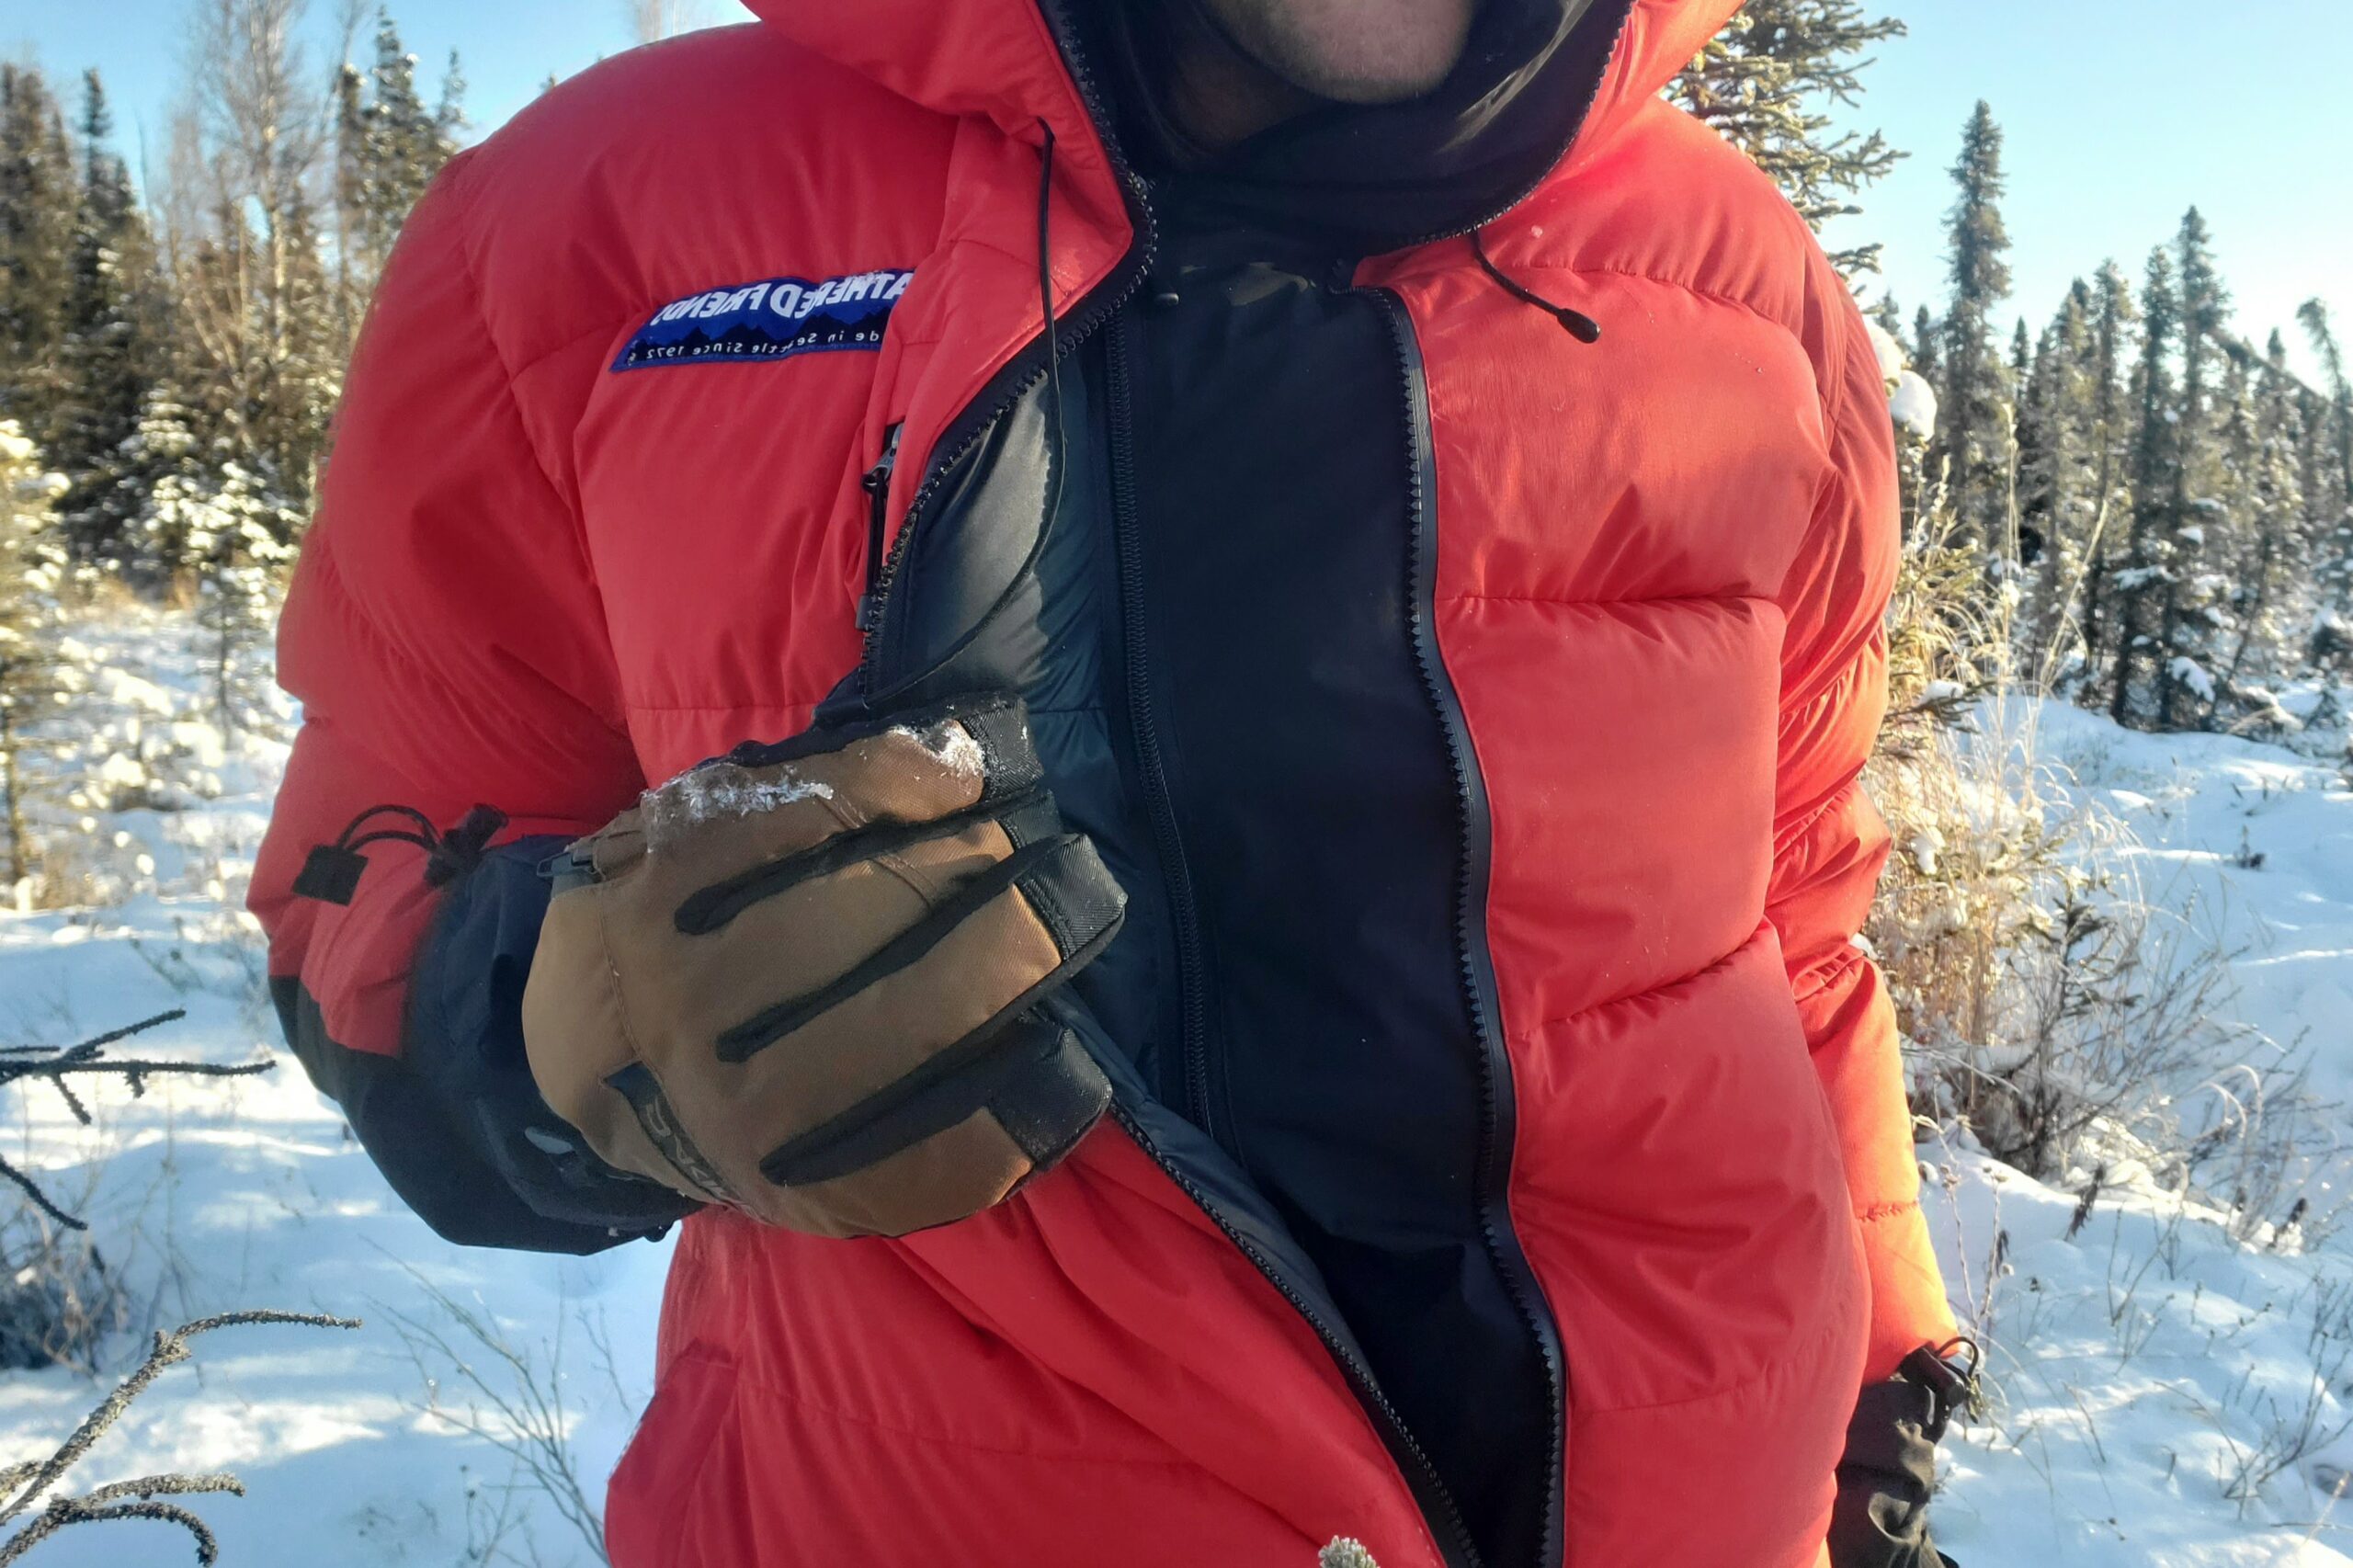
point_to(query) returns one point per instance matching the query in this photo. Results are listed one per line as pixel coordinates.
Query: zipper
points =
(1477, 967)
(1440, 1512)
(876, 483)
(1192, 983)
(1030, 365)
(1438, 1506)
(1083, 321)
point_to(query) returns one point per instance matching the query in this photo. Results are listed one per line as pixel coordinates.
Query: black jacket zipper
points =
(1496, 1114)
(1028, 366)
(1438, 1506)
(1192, 980)
(876, 483)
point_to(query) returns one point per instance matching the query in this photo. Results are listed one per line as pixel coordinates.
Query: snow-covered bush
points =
(2047, 1003)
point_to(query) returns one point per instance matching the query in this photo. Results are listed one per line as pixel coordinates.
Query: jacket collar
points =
(1541, 80)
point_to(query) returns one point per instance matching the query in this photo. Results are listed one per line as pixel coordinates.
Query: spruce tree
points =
(2193, 617)
(2058, 484)
(1926, 336)
(2019, 543)
(39, 198)
(2262, 445)
(34, 676)
(389, 145)
(1767, 83)
(296, 398)
(1974, 438)
(2338, 425)
(2112, 315)
(2326, 474)
(111, 349)
(2138, 584)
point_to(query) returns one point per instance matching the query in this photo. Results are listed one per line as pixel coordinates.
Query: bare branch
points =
(54, 1064)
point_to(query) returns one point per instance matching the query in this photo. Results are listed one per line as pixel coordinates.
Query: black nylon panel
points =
(449, 1120)
(1262, 766)
(1320, 825)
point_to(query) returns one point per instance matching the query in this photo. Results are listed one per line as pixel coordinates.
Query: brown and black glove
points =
(803, 980)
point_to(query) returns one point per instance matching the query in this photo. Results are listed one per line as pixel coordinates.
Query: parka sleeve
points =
(1830, 843)
(445, 639)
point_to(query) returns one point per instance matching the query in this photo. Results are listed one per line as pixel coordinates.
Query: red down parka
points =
(1511, 1164)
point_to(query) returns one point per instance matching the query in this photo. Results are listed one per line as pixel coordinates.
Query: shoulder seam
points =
(1683, 285)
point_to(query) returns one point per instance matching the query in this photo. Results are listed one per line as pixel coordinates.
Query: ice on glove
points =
(804, 979)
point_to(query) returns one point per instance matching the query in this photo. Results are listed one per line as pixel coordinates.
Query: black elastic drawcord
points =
(1579, 326)
(331, 873)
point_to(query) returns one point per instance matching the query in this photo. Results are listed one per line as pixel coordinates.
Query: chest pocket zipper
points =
(876, 483)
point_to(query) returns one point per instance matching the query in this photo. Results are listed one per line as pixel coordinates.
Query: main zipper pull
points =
(876, 483)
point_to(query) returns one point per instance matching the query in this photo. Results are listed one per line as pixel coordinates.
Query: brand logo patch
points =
(773, 320)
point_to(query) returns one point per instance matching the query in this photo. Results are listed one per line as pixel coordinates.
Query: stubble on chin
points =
(1359, 51)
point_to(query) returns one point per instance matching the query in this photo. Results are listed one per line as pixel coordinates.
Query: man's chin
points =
(1370, 91)
(1353, 54)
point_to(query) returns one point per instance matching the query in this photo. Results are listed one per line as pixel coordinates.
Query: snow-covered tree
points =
(2325, 466)
(1975, 438)
(2194, 619)
(388, 144)
(2138, 584)
(2262, 439)
(37, 202)
(232, 533)
(34, 677)
(2058, 487)
(2112, 315)
(112, 348)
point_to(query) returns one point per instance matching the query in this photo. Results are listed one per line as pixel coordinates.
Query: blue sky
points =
(2120, 114)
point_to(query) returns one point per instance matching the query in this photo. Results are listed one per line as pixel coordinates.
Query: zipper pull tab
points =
(876, 483)
(574, 866)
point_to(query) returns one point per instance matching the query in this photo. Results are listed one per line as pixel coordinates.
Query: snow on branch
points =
(143, 1498)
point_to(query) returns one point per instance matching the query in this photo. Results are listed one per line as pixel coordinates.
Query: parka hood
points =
(1539, 79)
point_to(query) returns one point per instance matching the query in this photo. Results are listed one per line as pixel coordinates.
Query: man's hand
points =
(803, 980)
(1880, 1519)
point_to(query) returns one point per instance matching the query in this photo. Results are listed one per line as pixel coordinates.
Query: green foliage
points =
(1767, 83)
(38, 203)
(113, 346)
(1974, 395)
(389, 145)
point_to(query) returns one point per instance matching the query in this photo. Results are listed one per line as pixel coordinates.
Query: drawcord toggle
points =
(331, 872)
(1578, 325)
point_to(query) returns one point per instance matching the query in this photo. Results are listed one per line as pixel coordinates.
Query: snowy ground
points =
(2144, 1369)
(215, 1196)
(2163, 1394)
